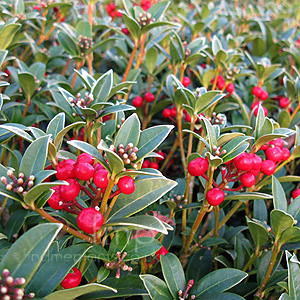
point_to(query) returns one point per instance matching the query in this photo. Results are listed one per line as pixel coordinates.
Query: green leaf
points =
(55, 269)
(217, 282)
(291, 235)
(15, 223)
(223, 296)
(34, 158)
(258, 232)
(103, 273)
(133, 26)
(147, 191)
(27, 253)
(279, 198)
(137, 222)
(173, 273)
(28, 84)
(285, 297)
(151, 59)
(71, 294)
(280, 221)
(102, 87)
(84, 29)
(87, 79)
(157, 10)
(210, 133)
(284, 118)
(216, 45)
(129, 132)
(156, 288)
(293, 276)
(68, 43)
(247, 196)
(141, 247)
(56, 125)
(151, 138)
(97, 252)
(118, 243)
(18, 131)
(7, 34)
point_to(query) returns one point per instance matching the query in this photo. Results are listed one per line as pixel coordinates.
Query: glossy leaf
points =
(156, 288)
(280, 221)
(102, 87)
(279, 198)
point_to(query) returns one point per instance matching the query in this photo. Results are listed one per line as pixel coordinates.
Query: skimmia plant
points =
(149, 149)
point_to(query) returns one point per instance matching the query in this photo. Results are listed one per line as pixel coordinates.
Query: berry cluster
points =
(146, 4)
(221, 83)
(18, 185)
(72, 279)
(139, 101)
(113, 11)
(154, 164)
(90, 219)
(283, 101)
(11, 288)
(260, 95)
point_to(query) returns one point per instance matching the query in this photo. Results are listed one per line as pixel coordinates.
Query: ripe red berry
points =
(243, 162)
(90, 220)
(173, 111)
(256, 91)
(264, 95)
(257, 161)
(247, 179)
(101, 179)
(284, 102)
(126, 185)
(154, 165)
(274, 154)
(166, 113)
(85, 157)
(296, 193)
(72, 279)
(98, 166)
(162, 251)
(220, 82)
(125, 31)
(119, 14)
(161, 154)
(186, 81)
(146, 163)
(277, 142)
(255, 111)
(268, 167)
(84, 171)
(55, 200)
(137, 101)
(36, 7)
(230, 88)
(71, 191)
(255, 172)
(188, 117)
(285, 153)
(149, 97)
(65, 169)
(264, 147)
(215, 196)
(198, 166)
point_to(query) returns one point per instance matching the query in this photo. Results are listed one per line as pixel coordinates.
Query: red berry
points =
(72, 279)
(137, 101)
(154, 165)
(254, 104)
(84, 171)
(71, 191)
(161, 154)
(220, 82)
(98, 166)
(65, 169)
(119, 14)
(186, 81)
(255, 111)
(126, 185)
(268, 167)
(284, 102)
(247, 179)
(274, 154)
(296, 193)
(285, 153)
(277, 142)
(55, 200)
(230, 88)
(256, 91)
(146, 163)
(166, 113)
(173, 111)
(90, 220)
(198, 166)
(243, 162)
(188, 117)
(101, 179)
(125, 31)
(85, 157)
(264, 95)
(255, 172)
(162, 251)
(215, 196)
(264, 147)
(36, 7)
(149, 97)
(257, 161)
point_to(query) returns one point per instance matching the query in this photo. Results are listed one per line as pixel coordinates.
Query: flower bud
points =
(31, 177)
(4, 180)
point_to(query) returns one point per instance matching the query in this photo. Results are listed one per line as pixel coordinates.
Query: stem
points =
(111, 205)
(75, 75)
(250, 261)
(27, 105)
(51, 219)
(130, 62)
(180, 136)
(170, 155)
(109, 187)
(85, 189)
(63, 72)
(216, 79)
(217, 213)
(275, 251)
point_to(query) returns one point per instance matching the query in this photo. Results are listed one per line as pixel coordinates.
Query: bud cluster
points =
(10, 288)
(183, 296)
(85, 43)
(127, 154)
(179, 200)
(45, 3)
(187, 50)
(20, 16)
(145, 19)
(119, 264)
(217, 119)
(18, 185)
(218, 151)
(80, 102)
